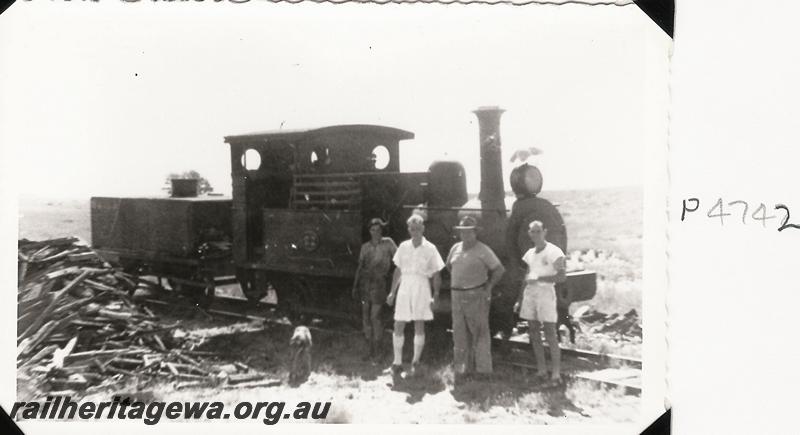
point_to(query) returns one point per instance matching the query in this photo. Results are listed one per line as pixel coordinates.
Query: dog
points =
(300, 345)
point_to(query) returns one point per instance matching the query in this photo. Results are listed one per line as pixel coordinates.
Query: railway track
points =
(610, 371)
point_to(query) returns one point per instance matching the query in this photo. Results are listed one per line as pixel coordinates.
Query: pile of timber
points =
(628, 324)
(79, 329)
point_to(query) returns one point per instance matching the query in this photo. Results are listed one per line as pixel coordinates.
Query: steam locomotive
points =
(297, 218)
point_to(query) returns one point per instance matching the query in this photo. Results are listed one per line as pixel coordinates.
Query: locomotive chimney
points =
(492, 193)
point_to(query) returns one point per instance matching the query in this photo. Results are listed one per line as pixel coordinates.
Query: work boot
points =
(416, 370)
(396, 371)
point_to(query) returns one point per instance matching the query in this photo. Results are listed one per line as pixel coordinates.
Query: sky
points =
(108, 98)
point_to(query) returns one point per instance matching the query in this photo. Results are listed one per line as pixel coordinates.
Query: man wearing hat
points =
(371, 280)
(474, 271)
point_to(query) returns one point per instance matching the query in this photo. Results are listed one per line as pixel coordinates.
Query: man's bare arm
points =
(395, 285)
(495, 275)
(561, 272)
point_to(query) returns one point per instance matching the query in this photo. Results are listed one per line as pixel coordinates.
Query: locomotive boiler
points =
(298, 212)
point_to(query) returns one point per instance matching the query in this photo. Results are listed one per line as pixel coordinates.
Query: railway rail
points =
(607, 370)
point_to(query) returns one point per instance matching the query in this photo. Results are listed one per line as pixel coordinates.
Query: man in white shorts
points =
(537, 297)
(418, 264)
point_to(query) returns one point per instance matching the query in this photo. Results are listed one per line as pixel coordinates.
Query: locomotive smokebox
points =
(492, 193)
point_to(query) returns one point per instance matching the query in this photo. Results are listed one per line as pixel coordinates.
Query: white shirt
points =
(542, 263)
(422, 260)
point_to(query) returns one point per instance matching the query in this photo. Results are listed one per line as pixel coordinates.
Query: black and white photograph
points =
(260, 214)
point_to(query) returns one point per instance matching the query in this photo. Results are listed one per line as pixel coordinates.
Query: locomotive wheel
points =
(202, 296)
(253, 296)
(206, 294)
(294, 296)
(130, 266)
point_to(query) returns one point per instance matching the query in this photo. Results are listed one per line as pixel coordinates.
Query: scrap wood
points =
(58, 273)
(101, 365)
(82, 322)
(44, 352)
(83, 256)
(100, 286)
(35, 337)
(254, 384)
(123, 276)
(186, 359)
(227, 368)
(23, 320)
(172, 368)
(33, 294)
(35, 308)
(114, 315)
(115, 344)
(61, 241)
(47, 311)
(78, 368)
(76, 380)
(22, 346)
(188, 376)
(244, 377)
(60, 354)
(71, 306)
(189, 367)
(39, 369)
(196, 384)
(159, 342)
(201, 353)
(29, 286)
(22, 271)
(99, 353)
(78, 328)
(126, 361)
(120, 371)
(93, 377)
(55, 338)
(62, 393)
(36, 276)
(154, 330)
(43, 250)
(152, 358)
(180, 375)
(48, 328)
(57, 256)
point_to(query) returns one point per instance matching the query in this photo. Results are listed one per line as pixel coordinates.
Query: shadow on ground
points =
(342, 354)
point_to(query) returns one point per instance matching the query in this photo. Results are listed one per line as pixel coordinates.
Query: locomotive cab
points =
(301, 199)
